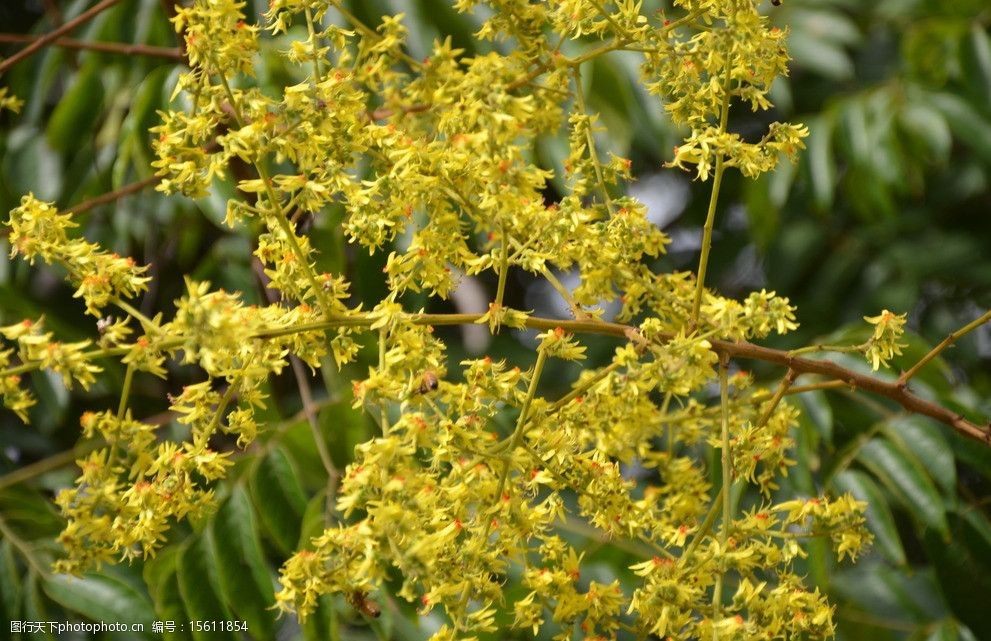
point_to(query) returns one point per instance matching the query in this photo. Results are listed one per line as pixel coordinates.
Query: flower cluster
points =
(38, 230)
(884, 344)
(10, 102)
(474, 468)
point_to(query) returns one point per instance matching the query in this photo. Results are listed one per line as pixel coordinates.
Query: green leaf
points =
(922, 122)
(964, 569)
(279, 498)
(926, 441)
(822, 166)
(78, 109)
(857, 131)
(978, 63)
(826, 24)
(101, 597)
(140, 116)
(31, 165)
(819, 412)
(821, 56)
(946, 630)
(197, 574)
(975, 455)
(319, 625)
(886, 593)
(905, 477)
(244, 578)
(762, 215)
(36, 606)
(966, 122)
(28, 511)
(344, 427)
(163, 584)
(314, 522)
(11, 591)
(169, 609)
(297, 440)
(880, 521)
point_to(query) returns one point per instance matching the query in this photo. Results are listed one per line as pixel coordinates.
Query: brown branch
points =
(384, 112)
(52, 36)
(123, 48)
(891, 390)
(111, 196)
(855, 380)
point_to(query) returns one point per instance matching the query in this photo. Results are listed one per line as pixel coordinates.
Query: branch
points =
(53, 462)
(384, 112)
(894, 391)
(52, 36)
(949, 340)
(743, 349)
(111, 196)
(123, 48)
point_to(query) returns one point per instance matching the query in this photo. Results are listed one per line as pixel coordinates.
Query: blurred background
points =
(888, 208)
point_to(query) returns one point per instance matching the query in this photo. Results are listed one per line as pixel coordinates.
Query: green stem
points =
(148, 325)
(279, 213)
(584, 387)
(710, 217)
(371, 33)
(514, 442)
(727, 472)
(384, 408)
(221, 408)
(521, 422)
(590, 139)
(310, 409)
(576, 309)
(125, 391)
(503, 267)
(841, 349)
(703, 531)
(782, 534)
(605, 14)
(315, 57)
(664, 412)
(783, 387)
(946, 342)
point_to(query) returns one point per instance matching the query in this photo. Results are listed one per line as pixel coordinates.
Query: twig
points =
(710, 217)
(946, 342)
(855, 380)
(310, 409)
(742, 349)
(384, 112)
(726, 460)
(111, 196)
(52, 36)
(45, 465)
(123, 48)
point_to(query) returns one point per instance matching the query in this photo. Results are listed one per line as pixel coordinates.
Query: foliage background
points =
(888, 208)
